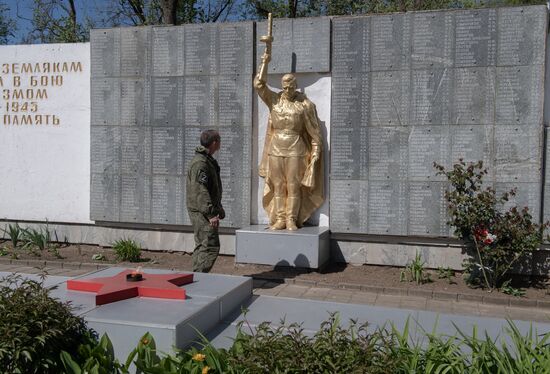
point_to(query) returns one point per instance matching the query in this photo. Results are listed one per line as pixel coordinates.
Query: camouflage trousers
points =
(207, 243)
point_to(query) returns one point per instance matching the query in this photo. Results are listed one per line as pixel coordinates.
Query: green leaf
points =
(71, 367)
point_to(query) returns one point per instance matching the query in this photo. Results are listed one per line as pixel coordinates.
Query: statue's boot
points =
(292, 209)
(280, 212)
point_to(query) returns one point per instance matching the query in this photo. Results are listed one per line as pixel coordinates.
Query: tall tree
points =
(7, 25)
(214, 10)
(55, 21)
(133, 13)
(187, 11)
(154, 12)
(258, 9)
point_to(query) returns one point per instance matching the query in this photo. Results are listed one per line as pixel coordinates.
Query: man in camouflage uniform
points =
(204, 201)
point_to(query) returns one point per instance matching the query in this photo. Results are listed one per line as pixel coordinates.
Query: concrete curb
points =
(396, 291)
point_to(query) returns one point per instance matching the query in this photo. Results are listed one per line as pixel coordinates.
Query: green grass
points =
(127, 250)
(415, 271)
(36, 238)
(15, 234)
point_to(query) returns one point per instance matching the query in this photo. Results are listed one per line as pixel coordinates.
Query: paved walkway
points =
(267, 288)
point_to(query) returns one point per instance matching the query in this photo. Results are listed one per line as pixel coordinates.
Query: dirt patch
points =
(333, 275)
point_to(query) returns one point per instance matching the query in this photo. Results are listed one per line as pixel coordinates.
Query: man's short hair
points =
(289, 78)
(208, 137)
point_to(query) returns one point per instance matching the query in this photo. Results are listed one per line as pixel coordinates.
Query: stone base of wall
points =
(435, 255)
(151, 239)
(380, 253)
(355, 251)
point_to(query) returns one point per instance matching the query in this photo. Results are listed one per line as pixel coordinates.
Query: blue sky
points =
(21, 12)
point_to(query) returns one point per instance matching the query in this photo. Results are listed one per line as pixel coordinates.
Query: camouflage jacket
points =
(204, 185)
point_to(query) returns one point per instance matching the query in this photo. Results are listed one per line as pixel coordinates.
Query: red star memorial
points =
(118, 287)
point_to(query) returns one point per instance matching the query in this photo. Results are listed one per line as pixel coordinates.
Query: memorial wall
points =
(154, 89)
(407, 89)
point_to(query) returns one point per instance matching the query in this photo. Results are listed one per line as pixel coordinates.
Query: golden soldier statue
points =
(292, 162)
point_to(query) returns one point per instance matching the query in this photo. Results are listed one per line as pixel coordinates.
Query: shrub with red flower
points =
(497, 238)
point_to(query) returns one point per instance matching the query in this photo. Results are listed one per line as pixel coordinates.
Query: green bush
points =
(333, 349)
(127, 250)
(93, 357)
(497, 239)
(35, 328)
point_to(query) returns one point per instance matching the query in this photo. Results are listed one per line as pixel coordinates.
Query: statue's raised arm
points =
(260, 82)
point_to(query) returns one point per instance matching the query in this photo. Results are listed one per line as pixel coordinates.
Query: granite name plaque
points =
(387, 208)
(105, 144)
(427, 209)
(168, 52)
(476, 38)
(167, 101)
(351, 46)
(168, 200)
(105, 100)
(390, 42)
(201, 49)
(105, 196)
(105, 53)
(521, 35)
(135, 46)
(348, 206)
(300, 45)
(430, 97)
(518, 154)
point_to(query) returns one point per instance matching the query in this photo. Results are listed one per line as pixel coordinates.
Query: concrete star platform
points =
(173, 323)
(119, 287)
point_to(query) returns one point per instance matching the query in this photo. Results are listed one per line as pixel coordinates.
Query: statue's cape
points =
(313, 180)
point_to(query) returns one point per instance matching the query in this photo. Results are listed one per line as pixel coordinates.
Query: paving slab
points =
(388, 300)
(413, 302)
(498, 311)
(293, 290)
(316, 293)
(439, 306)
(271, 289)
(339, 296)
(526, 314)
(465, 308)
(363, 298)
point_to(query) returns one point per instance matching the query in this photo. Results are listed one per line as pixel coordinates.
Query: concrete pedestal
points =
(173, 323)
(308, 247)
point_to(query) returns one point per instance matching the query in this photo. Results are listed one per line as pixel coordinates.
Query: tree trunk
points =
(169, 8)
(72, 17)
(292, 5)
